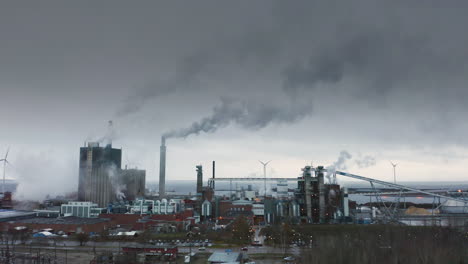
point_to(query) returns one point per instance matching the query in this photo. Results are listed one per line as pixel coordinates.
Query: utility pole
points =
(264, 173)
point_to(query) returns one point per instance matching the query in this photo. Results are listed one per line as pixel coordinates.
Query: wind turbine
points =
(264, 172)
(5, 161)
(394, 171)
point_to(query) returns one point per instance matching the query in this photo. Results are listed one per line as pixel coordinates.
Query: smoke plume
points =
(117, 186)
(366, 161)
(37, 173)
(247, 114)
(104, 138)
(186, 76)
(339, 164)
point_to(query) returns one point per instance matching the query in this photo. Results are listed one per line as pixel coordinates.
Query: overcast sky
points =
(235, 81)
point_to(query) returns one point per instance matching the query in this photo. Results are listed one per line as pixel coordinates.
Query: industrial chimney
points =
(214, 174)
(199, 179)
(162, 168)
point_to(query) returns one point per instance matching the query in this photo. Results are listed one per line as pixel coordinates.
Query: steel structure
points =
(391, 212)
(398, 186)
(255, 179)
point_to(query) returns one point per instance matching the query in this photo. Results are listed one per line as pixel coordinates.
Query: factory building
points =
(81, 209)
(68, 225)
(206, 209)
(101, 179)
(7, 215)
(163, 206)
(204, 206)
(132, 182)
(282, 189)
(316, 202)
(98, 165)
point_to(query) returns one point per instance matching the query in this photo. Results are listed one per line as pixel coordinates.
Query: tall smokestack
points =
(162, 168)
(214, 173)
(321, 189)
(199, 179)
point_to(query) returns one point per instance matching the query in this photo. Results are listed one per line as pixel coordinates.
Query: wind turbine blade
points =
(6, 154)
(267, 162)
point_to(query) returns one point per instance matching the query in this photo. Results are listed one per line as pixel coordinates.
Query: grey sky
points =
(379, 79)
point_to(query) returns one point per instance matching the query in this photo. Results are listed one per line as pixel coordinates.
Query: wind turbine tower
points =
(394, 171)
(5, 161)
(264, 173)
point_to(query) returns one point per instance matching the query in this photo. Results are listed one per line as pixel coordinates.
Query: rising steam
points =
(115, 180)
(366, 161)
(339, 164)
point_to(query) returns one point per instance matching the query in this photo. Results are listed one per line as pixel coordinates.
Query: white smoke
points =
(366, 161)
(40, 175)
(339, 164)
(105, 138)
(114, 177)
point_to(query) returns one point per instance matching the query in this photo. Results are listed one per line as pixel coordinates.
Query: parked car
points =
(257, 244)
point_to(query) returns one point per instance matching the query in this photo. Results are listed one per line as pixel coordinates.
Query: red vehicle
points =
(244, 249)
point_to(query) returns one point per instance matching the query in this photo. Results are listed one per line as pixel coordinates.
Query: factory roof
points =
(12, 215)
(70, 220)
(225, 257)
(242, 202)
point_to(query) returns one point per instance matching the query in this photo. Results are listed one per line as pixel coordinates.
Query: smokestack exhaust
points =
(162, 168)
(110, 129)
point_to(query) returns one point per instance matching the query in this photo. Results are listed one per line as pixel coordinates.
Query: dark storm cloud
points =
(372, 52)
(361, 54)
(375, 73)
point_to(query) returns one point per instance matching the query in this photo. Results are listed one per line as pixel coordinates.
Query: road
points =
(73, 246)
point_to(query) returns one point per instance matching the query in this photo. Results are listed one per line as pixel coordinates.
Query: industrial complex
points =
(116, 201)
